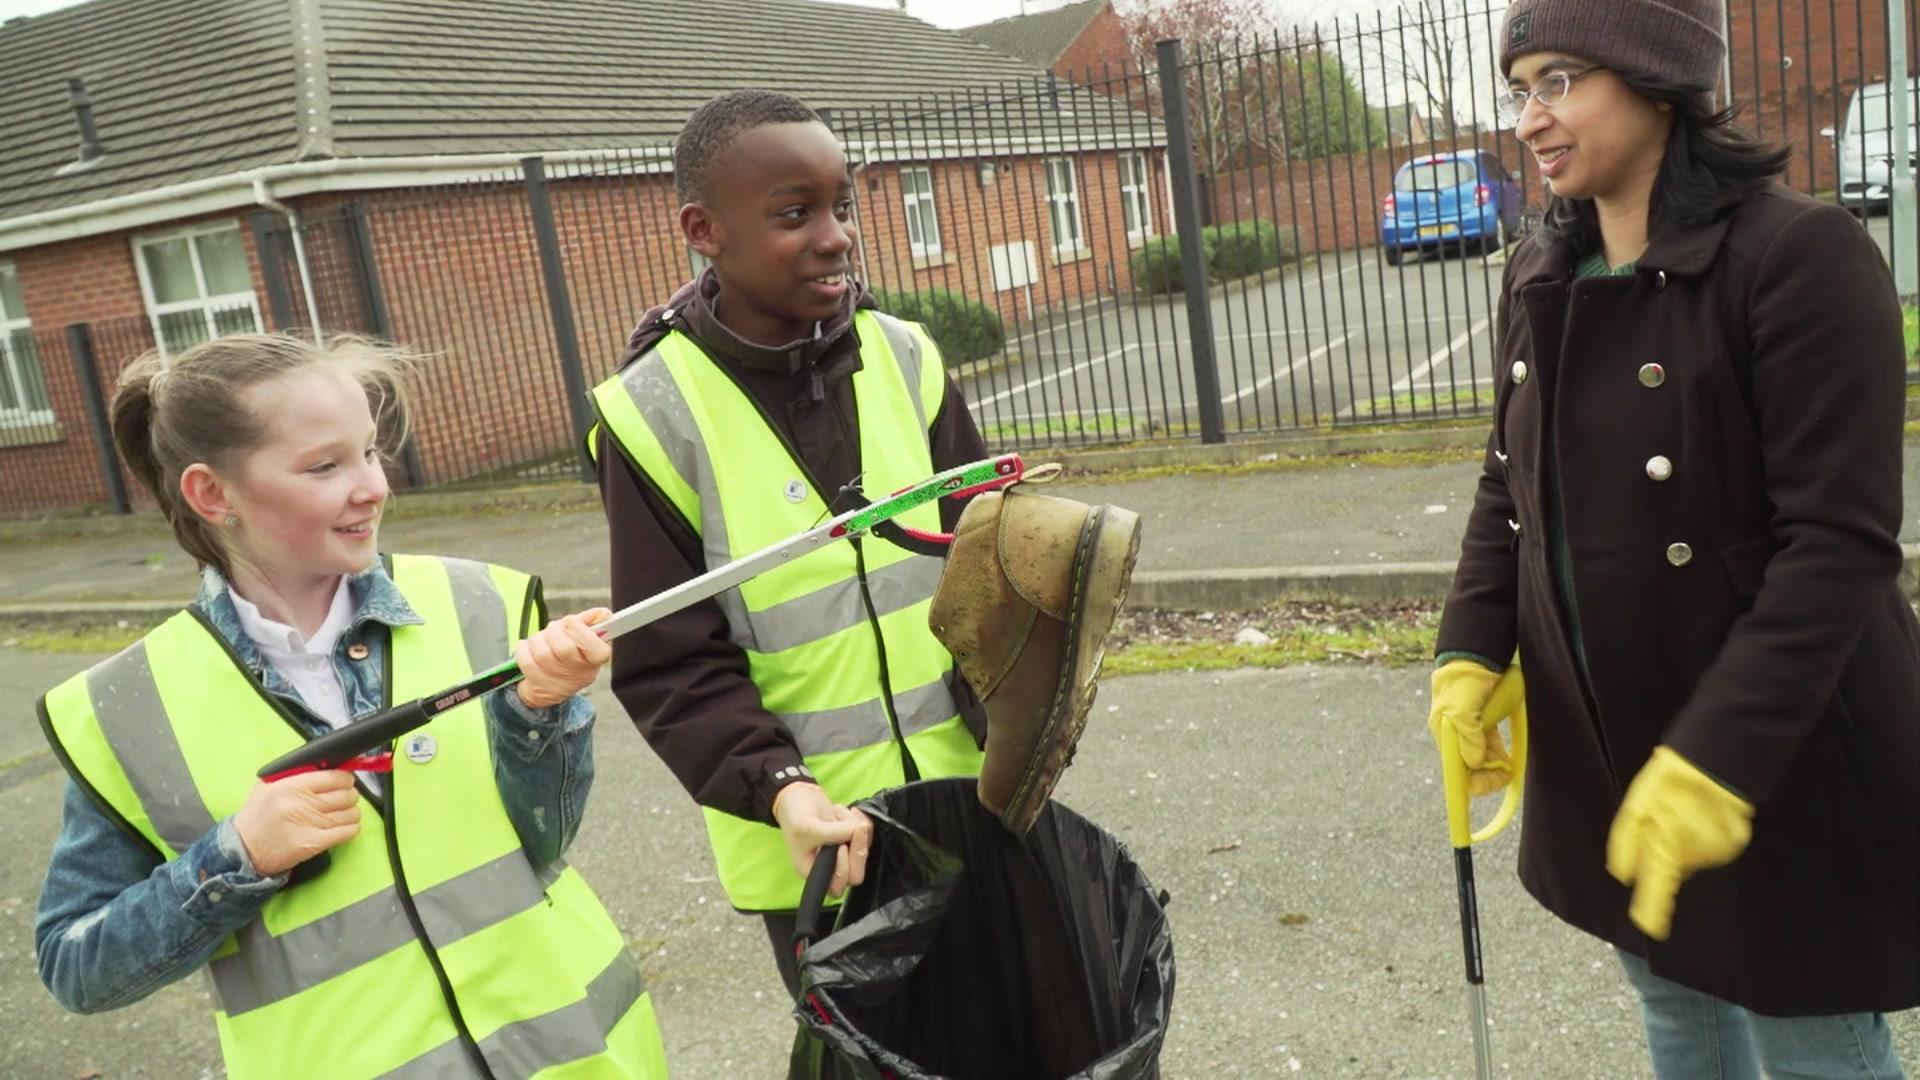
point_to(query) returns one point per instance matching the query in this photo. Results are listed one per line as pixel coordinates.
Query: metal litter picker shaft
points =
(1460, 831)
(365, 745)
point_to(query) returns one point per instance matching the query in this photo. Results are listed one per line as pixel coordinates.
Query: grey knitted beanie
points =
(1678, 41)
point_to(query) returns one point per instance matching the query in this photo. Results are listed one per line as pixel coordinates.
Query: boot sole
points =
(1102, 571)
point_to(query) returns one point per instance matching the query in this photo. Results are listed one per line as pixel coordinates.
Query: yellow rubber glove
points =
(1496, 769)
(1462, 690)
(1674, 821)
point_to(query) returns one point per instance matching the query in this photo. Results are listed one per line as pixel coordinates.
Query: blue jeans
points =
(1696, 1036)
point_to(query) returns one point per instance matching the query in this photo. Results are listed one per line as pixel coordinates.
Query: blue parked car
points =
(1453, 199)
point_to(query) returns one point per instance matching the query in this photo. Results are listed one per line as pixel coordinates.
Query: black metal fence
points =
(1303, 229)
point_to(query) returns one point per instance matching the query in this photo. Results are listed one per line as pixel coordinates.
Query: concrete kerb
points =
(1164, 590)
(1470, 435)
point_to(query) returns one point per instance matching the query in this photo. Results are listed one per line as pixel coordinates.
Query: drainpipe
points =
(262, 198)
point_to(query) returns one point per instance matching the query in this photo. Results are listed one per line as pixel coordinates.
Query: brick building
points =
(177, 169)
(1795, 65)
(1085, 42)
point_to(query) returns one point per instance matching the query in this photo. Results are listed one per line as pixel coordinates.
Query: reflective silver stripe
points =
(126, 702)
(270, 968)
(447, 1059)
(571, 1032)
(835, 607)
(566, 1034)
(663, 405)
(482, 613)
(851, 727)
(906, 354)
(927, 706)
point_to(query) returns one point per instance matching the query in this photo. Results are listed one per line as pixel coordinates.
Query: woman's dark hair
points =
(1710, 167)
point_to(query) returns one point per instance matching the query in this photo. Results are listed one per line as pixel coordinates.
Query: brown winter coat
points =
(1774, 651)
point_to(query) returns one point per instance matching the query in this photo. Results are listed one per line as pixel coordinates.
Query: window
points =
(1136, 198)
(923, 221)
(23, 391)
(1435, 175)
(1063, 205)
(197, 285)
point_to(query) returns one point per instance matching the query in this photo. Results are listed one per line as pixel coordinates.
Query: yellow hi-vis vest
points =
(430, 944)
(836, 641)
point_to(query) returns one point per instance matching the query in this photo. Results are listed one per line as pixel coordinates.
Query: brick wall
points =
(1011, 208)
(1100, 51)
(90, 280)
(463, 283)
(1335, 202)
(1795, 66)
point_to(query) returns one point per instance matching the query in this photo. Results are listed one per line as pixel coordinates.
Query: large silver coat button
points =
(1679, 554)
(1519, 371)
(1659, 468)
(1652, 375)
(1660, 279)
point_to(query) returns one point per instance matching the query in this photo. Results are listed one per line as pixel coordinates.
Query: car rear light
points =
(1387, 206)
(1481, 194)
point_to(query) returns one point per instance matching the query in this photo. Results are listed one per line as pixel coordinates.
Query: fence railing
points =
(1304, 229)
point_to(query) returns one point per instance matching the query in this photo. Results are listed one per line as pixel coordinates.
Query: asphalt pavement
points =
(1337, 514)
(1343, 337)
(1294, 816)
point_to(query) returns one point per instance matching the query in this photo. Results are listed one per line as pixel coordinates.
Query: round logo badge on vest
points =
(421, 748)
(796, 491)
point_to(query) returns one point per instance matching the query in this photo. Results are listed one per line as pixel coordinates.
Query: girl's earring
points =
(232, 522)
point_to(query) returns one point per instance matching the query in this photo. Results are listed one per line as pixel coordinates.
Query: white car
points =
(1865, 144)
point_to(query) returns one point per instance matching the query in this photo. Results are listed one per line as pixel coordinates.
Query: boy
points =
(741, 411)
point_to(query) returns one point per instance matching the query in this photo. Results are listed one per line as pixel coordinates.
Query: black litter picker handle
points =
(813, 898)
(365, 745)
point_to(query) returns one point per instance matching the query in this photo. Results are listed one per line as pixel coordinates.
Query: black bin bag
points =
(972, 954)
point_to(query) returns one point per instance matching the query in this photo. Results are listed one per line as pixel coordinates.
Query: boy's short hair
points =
(714, 126)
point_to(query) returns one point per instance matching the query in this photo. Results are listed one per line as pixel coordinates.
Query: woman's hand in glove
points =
(1465, 701)
(1675, 820)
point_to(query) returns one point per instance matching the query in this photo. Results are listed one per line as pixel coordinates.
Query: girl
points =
(441, 934)
(1687, 526)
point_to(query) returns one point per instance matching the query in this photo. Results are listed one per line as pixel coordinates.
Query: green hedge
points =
(964, 328)
(1248, 247)
(1156, 266)
(1232, 251)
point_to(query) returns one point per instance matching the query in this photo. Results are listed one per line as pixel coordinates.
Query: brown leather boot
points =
(1031, 587)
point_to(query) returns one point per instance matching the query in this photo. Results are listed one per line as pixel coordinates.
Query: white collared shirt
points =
(306, 664)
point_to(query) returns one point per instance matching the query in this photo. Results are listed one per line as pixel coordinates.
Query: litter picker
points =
(367, 745)
(1507, 699)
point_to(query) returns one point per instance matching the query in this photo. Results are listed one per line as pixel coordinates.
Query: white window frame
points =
(1065, 206)
(1136, 193)
(914, 200)
(208, 303)
(11, 322)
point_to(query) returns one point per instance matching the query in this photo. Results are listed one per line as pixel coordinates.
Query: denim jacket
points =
(115, 925)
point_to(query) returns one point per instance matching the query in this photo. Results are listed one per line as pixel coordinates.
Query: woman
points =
(1687, 526)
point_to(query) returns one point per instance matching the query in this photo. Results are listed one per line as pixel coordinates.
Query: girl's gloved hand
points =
(563, 659)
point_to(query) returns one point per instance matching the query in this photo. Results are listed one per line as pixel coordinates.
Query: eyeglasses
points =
(1549, 92)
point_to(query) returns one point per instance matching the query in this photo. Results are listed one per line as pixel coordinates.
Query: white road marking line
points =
(1290, 369)
(1440, 355)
